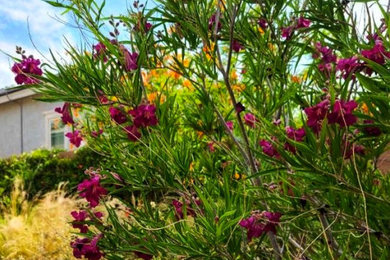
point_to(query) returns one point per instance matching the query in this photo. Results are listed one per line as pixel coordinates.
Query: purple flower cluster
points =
(66, 117)
(296, 135)
(299, 23)
(250, 120)
(212, 21)
(100, 51)
(25, 70)
(117, 115)
(144, 116)
(80, 217)
(86, 248)
(328, 59)
(348, 66)
(179, 208)
(75, 137)
(376, 54)
(91, 190)
(342, 113)
(260, 222)
(269, 149)
(316, 114)
(236, 46)
(130, 58)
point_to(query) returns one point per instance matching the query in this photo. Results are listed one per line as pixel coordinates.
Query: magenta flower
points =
(25, 70)
(376, 54)
(250, 120)
(287, 32)
(143, 255)
(147, 27)
(353, 150)
(74, 138)
(100, 51)
(230, 125)
(296, 135)
(316, 114)
(269, 149)
(102, 98)
(371, 130)
(342, 113)
(80, 217)
(212, 21)
(91, 190)
(262, 23)
(259, 223)
(133, 133)
(87, 248)
(65, 111)
(98, 214)
(96, 134)
(303, 23)
(144, 116)
(179, 208)
(348, 66)
(130, 59)
(117, 115)
(239, 107)
(211, 147)
(236, 46)
(327, 55)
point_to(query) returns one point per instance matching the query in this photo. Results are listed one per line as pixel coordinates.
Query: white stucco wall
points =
(34, 132)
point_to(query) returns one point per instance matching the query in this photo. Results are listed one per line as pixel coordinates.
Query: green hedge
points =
(43, 170)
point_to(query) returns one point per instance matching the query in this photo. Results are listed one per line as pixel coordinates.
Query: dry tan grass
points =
(39, 229)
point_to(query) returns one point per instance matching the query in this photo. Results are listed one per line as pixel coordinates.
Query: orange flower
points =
(200, 134)
(234, 75)
(208, 50)
(187, 84)
(75, 112)
(238, 87)
(152, 97)
(191, 166)
(174, 74)
(261, 31)
(365, 109)
(296, 79)
(271, 47)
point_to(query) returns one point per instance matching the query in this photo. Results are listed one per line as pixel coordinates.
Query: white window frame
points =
(50, 115)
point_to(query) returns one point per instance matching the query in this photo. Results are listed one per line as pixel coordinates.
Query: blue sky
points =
(47, 32)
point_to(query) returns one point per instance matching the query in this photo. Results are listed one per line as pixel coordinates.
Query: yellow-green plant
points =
(37, 229)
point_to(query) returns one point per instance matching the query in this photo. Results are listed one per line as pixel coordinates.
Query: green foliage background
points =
(333, 207)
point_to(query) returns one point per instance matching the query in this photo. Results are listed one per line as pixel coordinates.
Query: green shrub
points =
(42, 170)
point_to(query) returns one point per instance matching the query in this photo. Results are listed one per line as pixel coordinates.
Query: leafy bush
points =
(43, 170)
(238, 129)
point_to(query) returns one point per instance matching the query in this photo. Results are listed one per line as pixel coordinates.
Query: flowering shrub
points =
(235, 129)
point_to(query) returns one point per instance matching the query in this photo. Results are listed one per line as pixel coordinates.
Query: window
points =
(55, 132)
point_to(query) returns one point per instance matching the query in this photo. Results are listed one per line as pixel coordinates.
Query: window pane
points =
(56, 124)
(57, 140)
(57, 128)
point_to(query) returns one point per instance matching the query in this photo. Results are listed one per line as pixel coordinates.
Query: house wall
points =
(34, 132)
